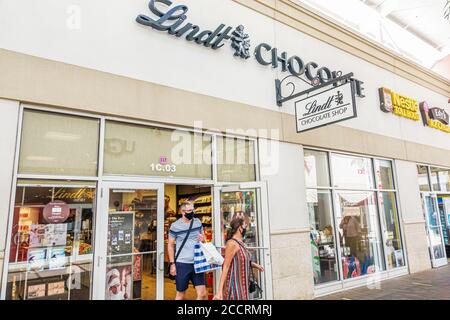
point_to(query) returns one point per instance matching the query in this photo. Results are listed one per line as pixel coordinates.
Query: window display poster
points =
(55, 288)
(57, 258)
(119, 283)
(55, 235)
(121, 229)
(36, 259)
(36, 291)
(37, 235)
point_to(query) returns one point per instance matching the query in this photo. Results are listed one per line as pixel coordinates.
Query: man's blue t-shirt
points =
(178, 231)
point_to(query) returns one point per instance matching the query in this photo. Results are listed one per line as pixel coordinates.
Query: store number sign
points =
(330, 106)
(158, 167)
(163, 165)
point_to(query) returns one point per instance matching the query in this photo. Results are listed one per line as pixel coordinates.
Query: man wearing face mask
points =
(181, 263)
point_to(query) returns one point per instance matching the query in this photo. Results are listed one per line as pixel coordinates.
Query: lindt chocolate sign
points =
(56, 212)
(327, 107)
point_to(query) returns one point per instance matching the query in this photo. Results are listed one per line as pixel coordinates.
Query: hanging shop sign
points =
(174, 21)
(56, 212)
(399, 105)
(327, 107)
(436, 118)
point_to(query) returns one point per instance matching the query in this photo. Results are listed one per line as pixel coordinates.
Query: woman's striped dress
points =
(237, 282)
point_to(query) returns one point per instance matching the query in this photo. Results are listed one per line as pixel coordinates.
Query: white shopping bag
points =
(200, 263)
(211, 254)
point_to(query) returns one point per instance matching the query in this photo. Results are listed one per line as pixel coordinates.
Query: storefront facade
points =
(106, 125)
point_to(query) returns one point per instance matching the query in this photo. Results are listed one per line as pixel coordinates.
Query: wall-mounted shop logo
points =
(173, 21)
(436, 118)
(399, 105)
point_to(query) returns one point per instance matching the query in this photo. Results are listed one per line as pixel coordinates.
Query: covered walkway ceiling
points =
(416, 29)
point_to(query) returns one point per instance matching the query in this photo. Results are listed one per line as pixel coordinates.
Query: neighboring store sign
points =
(399, 105)
(173, 21)
(56, 212)
(435, 117)
(330, 106)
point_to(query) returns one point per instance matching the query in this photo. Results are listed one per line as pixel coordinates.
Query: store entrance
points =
(131, 260)
(435, 230)
(174, 197)
(444, 215)
(130, 248)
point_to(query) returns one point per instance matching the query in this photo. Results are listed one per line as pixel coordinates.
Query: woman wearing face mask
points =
(235, 279)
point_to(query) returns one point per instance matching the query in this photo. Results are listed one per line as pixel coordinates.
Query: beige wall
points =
(39, 81)
(291, 265)
(417, 247)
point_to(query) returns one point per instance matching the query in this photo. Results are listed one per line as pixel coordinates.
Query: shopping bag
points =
(211, 254)
(200, 263)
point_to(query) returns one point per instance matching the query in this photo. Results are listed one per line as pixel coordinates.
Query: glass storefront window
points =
(357, 218)
(367, 223)
(440, 179)
(316, 169)
(323, 248)
(58, 144)
(394, 249)
(138, 150)
(424, 183)
(384, 175)
(351, 172)
(235, 160)
(243, 202)
(51, 243)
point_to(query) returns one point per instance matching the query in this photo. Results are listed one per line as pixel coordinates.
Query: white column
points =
(413, 219)
(9, 113)
(282, 168)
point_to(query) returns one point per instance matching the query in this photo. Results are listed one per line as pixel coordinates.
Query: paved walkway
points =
(428, 285)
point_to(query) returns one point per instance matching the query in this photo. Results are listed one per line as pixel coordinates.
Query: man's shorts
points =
(186, 273)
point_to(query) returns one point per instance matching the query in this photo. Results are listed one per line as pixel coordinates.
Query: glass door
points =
(435, 236)
(250, 199)
(129, 254)
(444, 211)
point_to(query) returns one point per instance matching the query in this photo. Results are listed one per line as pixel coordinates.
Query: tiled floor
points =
(428, 285)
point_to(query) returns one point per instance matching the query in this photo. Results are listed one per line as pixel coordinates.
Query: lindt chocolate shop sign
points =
(327, 107)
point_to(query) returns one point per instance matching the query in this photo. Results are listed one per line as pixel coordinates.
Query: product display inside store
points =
(358, 234)
(323, 247)
(51, 243)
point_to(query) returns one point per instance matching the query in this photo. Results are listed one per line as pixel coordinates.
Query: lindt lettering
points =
(173, 21)
(312, 107)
